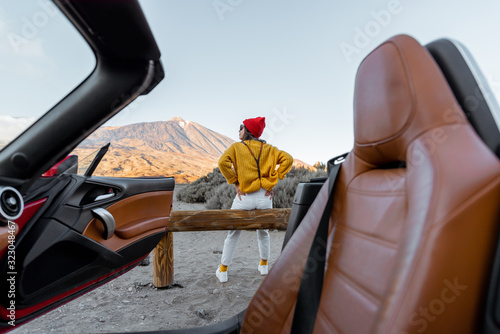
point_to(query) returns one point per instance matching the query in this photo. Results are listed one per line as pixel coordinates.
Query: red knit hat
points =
(255, 125)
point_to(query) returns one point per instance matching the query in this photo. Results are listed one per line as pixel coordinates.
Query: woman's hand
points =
(270, 193)
(238, 191)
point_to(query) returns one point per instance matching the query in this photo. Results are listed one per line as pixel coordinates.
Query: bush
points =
(284, 191)
(196, 192)
(221, 197)
(218, 194)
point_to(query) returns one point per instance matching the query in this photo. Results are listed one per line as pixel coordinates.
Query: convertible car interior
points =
(413, 234)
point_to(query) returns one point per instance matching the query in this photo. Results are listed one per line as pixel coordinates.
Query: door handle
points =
(105, 196)
(107, 221)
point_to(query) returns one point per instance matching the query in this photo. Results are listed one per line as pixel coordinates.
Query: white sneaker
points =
(221, 275)
(263, 269)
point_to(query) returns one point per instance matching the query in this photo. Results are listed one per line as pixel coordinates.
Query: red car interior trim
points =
(20, 313)
(29, 210)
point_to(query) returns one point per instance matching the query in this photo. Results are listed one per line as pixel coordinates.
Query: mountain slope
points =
(174, 136)
(182, 149)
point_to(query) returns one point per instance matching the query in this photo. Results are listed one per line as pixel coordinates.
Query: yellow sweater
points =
(238, 165)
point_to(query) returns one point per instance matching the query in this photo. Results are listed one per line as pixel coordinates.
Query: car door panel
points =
(63, 249)
(90, 193)
(136, 217)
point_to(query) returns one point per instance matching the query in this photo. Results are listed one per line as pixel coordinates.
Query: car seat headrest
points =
(400, 93)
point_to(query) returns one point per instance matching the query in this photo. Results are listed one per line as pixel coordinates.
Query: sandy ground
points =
(131, 303)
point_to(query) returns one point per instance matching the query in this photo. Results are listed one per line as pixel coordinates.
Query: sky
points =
(291, 61)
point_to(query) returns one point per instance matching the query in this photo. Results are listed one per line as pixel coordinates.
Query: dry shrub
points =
(213, 189)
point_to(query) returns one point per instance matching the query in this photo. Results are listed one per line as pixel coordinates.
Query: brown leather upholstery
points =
(136, 217)
(412, 246)
(5, 231)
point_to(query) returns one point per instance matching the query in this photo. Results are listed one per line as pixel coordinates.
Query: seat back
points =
(481, 109)
(414, 220)
(470, 88)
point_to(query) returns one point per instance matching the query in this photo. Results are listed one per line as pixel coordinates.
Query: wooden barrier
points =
(209, 220)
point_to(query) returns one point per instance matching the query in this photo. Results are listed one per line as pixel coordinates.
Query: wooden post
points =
(163, 262)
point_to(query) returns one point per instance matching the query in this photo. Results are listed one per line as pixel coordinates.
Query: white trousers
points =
(255, 200)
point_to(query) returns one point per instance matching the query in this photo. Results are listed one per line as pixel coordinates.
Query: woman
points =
(251, 166)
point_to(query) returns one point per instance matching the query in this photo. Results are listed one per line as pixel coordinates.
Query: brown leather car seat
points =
(415, 214)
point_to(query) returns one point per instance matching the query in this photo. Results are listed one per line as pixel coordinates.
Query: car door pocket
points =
(107, 220)
(136, 228)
